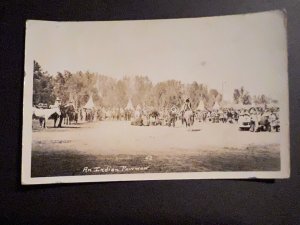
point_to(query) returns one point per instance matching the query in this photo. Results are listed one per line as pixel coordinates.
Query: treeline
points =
(110, 92)
(241, 96)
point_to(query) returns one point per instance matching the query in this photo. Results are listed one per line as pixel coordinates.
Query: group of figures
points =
(165, 116)
(64, 114)
(254, 119)
(258, 119)
(144, 116)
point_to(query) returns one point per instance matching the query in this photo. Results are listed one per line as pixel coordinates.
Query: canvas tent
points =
(129, 105)
(216, 106)
(89, 104)
(201, 106)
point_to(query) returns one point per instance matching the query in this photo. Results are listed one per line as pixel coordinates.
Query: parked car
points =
(244, 122)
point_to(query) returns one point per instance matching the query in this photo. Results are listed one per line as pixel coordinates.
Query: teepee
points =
(201, 106)
(89, 104)
(216, 106)
(129, 105)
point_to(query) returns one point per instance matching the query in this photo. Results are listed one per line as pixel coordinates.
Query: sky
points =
(223, 52)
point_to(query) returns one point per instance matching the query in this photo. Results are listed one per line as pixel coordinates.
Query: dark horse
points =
(68, 114)
(53, 117)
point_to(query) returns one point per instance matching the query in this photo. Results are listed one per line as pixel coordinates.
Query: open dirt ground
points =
(117, 147)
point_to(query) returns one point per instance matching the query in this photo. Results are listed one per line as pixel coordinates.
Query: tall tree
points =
(241, 96)
(42, 86)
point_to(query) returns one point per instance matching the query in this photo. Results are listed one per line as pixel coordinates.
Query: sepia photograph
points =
(187, 98)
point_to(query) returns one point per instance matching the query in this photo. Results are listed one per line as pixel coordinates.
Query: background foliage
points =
(110, 92)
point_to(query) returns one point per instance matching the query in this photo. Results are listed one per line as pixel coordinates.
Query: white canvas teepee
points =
(216, 106)
(129, 105)
(201, 106)
(89, 104)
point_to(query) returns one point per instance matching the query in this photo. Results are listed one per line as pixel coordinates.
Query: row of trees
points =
(110, 92)
(242, 96)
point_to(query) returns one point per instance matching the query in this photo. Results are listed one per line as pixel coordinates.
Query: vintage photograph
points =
(191, 98)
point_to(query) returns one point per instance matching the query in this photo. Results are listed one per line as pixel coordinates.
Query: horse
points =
(68, 114)
(45, 114)
(188, 118)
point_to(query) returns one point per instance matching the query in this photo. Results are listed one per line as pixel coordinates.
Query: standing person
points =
(255, 118)
(229, 116)
(173, 116)
(81, 115)
(236, 116)
(204, 116)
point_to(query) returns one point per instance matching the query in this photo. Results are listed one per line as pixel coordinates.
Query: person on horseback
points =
(187, 115)
(187, 105)
(57, 102)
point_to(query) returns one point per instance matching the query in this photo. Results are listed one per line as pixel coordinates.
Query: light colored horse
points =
(188, 118)
(45, 114)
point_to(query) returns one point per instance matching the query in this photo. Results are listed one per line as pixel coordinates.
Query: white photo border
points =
(27, 135)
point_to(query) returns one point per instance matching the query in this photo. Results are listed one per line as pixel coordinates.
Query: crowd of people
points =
(253, 118)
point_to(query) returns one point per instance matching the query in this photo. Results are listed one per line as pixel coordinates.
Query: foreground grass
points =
(67, 163)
